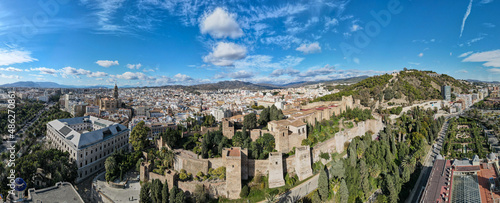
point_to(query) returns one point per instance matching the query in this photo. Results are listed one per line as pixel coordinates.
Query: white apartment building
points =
(89, 141)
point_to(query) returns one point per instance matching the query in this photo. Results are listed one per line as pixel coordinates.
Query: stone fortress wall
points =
(288, 134)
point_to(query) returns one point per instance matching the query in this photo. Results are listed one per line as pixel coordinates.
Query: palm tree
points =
(271, 198)
(168, 156)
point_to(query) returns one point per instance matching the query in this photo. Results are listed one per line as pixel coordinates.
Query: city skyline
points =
(154, 43)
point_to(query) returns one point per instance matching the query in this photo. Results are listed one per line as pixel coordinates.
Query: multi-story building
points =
(446, 92)
(221, 113)
(88, 140)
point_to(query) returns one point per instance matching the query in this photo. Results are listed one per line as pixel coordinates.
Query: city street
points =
(428, 163)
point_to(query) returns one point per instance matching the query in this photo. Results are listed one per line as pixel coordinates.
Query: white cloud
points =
(467, 13)
(284, 71)
(489, 25)
(242, 74)
(258, 14)
(330, 22)
(355, 27)
(134, 66)
(225, 54)
(11, 69)
(133, 76)
(421, 54)
(148, 70)
(43, 70)
(107, 63)
(104, 11)
(325, 70)
(182, 78)
(486, 1)
(285, 41)
(492, 58)
(355, 60)
(494, 70)
(220, 24)
(462, 71)
(474, 40)
(74, 72)
(10, 76)
(309, 48)
(97, 74)
(414, 63)
(9, 57)
(265, 63)
(465, 54)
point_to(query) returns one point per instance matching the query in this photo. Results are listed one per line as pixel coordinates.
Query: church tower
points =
(115, 93)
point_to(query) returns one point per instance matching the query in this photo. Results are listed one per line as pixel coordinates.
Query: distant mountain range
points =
(208, 86)
(31, 84)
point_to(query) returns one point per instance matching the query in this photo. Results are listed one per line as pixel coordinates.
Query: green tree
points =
(391, 188)
(343, 192)
(275, 113)
(250, 121)
(168, 157)
(164, 193)
(323, 185)
(156, 190)
(180, 197)
(173, 194)
(264, 116)
(244, 191)
(110, 165)
(363, 172)
(138, 136)
(200, 194)
(145, 193)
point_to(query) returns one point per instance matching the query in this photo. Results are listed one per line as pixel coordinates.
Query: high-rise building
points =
(88, 140)
(446, 92)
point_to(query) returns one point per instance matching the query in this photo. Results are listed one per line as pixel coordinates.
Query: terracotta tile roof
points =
(234, 152)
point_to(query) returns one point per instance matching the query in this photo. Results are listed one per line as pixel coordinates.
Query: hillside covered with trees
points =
(411, 85)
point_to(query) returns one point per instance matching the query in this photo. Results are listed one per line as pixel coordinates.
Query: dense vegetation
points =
(270, 114)
(157, 192)
(488, 105)
(369, 86)
(23, 112)
(390, 163)
(356, 114)
(51, 161)
(466, 141)
(138, 136)
(119, 163)
(414, 84)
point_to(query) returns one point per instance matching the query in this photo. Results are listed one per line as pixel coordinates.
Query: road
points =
(428, 163)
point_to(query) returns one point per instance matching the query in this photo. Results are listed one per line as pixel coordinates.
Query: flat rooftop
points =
(61, 192)
(487, 171)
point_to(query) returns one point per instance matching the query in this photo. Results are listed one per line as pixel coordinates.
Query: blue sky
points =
(160, 42)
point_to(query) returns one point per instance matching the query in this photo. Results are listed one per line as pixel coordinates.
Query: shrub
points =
(244, 191)
(324, 155)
